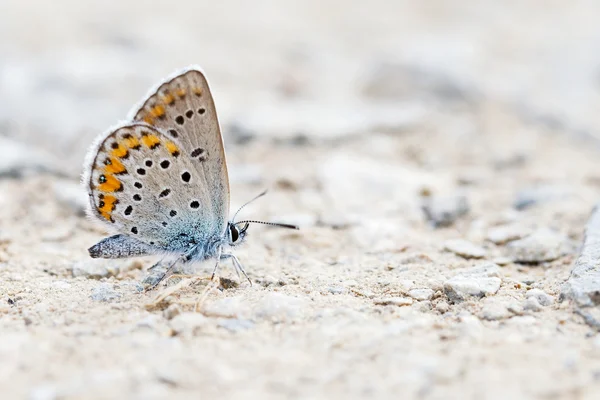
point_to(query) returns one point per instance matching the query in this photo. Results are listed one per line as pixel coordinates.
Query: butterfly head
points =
(236, 233)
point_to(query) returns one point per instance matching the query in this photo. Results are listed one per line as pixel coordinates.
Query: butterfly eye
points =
(234, 233)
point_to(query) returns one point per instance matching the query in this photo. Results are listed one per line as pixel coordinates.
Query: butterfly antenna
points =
(248, 202)
(289, 226)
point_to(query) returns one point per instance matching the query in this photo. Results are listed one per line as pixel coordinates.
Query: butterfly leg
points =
(237, 265)
(169, 270)
(219, 253)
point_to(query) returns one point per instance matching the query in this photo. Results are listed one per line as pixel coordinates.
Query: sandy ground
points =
(440, 160)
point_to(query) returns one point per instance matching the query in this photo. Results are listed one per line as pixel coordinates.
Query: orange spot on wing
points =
(131, 142)
(114, 166)
(157, 111)
(173, 149)
(106, 205)
(149, 119)
(180, 93)
(120, 152)
(198, 91)
(110, 184)
(151, 141)
(168, 99)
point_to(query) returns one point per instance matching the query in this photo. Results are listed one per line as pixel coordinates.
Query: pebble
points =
(476, 282)
(494, 311)
(394, 301)
(235, 325)
(269, 280)
(583, 285)
(541, 246)
(278, 306)
(532, 304)
(105, 292)
(336, 290)
(533, 196)
(94, 269)
(171, 312)
(506, 233)
(444, 211)
(188, 323)
(421, 294)
(229, 307)
(464, 248)
(542, 297)
(515, 308)
(502, 261)
(442, 307)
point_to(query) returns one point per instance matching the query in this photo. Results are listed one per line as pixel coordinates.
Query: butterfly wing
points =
(183, 108)
(142, 183)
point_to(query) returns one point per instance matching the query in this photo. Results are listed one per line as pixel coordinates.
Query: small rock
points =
(150, 322)
(471, 326)
(421, 294)
(532, 304)
(542, 297)
(502, 261)
(422, 306)
(229, 307)
(444, 211)
(394, 301)
(105, 292)
(416, 259)
(442, 307)
(277, 306)
(172, 311)
(476, 282)
(515, 308)
(583, 286)
(95, 269)
(532, 196)
(406, 284)
(506, 233)
(488, 269)
(495, 311)
(269, 280)
(464, 248)
(336, 290)
(541, 246)
(522, 321)
(459, 288)
(188, 323)
(235, 325)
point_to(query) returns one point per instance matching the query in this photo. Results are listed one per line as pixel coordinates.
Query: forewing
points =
(141, 183)
(183, 108)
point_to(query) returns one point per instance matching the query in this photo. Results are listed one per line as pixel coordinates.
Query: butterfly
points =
(160, 182)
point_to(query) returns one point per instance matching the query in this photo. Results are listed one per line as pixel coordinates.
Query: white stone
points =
(394, 301)
(421, 294)
(542, 297)
(464, 248)
(188, 323)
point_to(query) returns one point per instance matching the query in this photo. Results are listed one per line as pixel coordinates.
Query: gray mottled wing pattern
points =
(142, 184)
(183, 109)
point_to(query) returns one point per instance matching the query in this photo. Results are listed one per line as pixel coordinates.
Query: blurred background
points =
(426, 148)
(71, 69)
